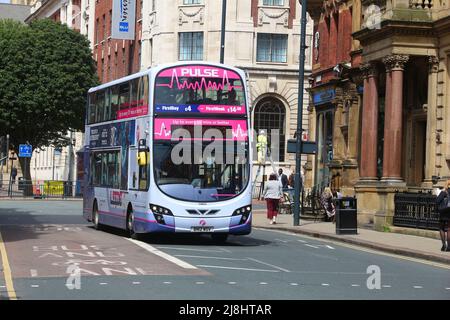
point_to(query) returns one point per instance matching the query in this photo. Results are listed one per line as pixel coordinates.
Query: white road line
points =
(161, 254)
(355, 285)
(447, 288)
(136, 282)
(204, 257)
(263, 283)
(310, 245)
(231, 282)
(35, 286)
(188, 249)
(199, 283)
(294, 284)
(386, 286)
(270, 265)
(167, 282)
(284, 241)
(417, 287)
(302, 241)
(103, 283)
(329, 247)
(232, 268)
(325, 284)
(33, 273)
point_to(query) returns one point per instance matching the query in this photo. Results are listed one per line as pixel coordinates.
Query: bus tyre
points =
(219, 237)
(130, 223)
(95, 218)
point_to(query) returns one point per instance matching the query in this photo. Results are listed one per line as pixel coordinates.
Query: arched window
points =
(270, 114)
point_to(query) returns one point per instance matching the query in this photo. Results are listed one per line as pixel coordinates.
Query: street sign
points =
(308, 147)
(25, 150)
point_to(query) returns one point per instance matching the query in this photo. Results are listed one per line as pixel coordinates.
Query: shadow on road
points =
(190, 239)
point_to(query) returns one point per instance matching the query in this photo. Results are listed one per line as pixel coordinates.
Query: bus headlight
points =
(244, 212)
(160, 210)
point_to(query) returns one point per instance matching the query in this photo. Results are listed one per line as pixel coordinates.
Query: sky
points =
(4, 1)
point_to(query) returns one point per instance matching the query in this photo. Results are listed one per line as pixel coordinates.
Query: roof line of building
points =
(44, 4)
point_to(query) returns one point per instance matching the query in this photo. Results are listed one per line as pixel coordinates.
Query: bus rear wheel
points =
(95, 218)
(219, 237)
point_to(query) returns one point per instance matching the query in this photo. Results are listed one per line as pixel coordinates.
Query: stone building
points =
(335, 97)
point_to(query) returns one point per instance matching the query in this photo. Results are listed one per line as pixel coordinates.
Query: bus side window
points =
(114, 102)
(124, 95)
(100, 106)
(107, 115)
(92, 108)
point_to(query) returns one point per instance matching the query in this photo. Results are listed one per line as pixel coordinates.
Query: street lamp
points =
(301, 80)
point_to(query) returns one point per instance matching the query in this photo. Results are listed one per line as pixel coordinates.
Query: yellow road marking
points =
(7, 271)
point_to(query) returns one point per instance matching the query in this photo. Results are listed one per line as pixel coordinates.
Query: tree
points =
(45, 72)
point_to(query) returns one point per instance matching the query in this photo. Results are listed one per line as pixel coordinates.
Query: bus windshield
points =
(218, 176)
(199, 89)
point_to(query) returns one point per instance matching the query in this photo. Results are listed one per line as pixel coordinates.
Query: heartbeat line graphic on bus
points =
(199, 85)
(239, 133)
(163, 132)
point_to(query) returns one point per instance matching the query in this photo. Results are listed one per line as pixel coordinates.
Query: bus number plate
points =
(202, 229)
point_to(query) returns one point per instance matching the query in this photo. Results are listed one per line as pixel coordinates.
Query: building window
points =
(273, 2)
(191, 1)
(191, 46)
(97, 26)
(104, 27)
(270, 116)
(271, 47)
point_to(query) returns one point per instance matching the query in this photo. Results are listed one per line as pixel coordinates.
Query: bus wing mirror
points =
(143, 158)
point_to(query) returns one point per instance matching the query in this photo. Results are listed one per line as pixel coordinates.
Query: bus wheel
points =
(95, 218)
(130, 222)
(219, 237)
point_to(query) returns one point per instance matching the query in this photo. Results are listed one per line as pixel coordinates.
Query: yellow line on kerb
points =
(7, 271)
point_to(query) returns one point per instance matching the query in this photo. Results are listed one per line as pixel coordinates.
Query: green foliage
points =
(45, 72)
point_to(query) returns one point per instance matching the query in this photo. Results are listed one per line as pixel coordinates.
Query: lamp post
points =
(222, 30)
(301, 80)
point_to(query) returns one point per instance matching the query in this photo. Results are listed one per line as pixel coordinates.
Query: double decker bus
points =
(168, 150)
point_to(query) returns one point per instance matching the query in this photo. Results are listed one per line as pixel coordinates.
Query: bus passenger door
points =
(137, 198)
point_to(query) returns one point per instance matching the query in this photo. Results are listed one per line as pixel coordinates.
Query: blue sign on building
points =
(25, 150)
(323, 96)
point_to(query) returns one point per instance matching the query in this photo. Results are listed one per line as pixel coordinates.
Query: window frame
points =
(271, 38)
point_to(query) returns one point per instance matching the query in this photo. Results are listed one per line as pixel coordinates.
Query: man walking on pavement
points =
(283, 179)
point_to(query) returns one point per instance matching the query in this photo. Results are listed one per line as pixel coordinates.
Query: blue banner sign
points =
(324, 96)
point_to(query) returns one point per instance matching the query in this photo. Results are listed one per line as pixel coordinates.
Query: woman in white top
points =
(273, 192)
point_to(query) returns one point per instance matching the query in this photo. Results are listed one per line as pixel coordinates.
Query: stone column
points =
(368, 165)
(430, 158)
(392, 155)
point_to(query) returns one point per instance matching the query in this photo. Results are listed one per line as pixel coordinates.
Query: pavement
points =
(394, 243)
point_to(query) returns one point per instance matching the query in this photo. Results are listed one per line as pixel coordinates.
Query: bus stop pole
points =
(301, 82)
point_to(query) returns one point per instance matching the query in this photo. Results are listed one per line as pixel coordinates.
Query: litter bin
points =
(68, 189)
(346, 220)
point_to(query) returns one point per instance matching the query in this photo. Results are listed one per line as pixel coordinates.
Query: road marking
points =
(35, 286)
(284, 241)
(360, 248)
(199, 283)
(231, 282)
(204, 257)
(294, 284)
(325, 284)
(302, 241)
(136, 282)
(263, 283)
(270, 265)
(167, 282)
(163, 255)
(233, 268)
(417, 287)
(103, 283)
(355, 285)
(33, 273)
(310, 245)
(447, 288)
(386, 286)
(188, 249)
(7, 271)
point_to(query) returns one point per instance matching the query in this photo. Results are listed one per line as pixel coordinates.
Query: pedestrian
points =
(291, 180)
(443, 205)
(326, 199)
(283, 179)
(13, 174)
(272, 194)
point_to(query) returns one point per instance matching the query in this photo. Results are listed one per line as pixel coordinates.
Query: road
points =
(42, 239)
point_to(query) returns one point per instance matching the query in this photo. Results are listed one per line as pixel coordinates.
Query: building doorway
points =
(325, 123)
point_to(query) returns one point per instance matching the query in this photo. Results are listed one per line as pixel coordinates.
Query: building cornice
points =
(264, 71)
(44, 5)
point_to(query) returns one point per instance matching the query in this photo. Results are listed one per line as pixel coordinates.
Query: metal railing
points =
(416, 210)
(41, 190)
